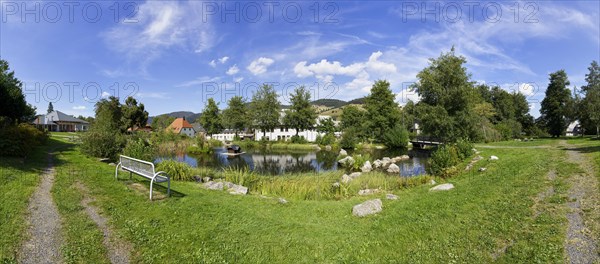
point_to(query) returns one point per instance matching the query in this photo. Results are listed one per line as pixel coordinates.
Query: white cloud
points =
(238, 79)
(105, 95)
(197, 81)
(212, 63)
(260, 65)
(223, 60)
(160, 25)
(233, 70)
(79, 107)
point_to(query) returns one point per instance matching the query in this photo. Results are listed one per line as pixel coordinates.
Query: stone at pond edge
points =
(335, 184)
(214, 185)
(367, 208)
(393, 168)
(442, 187)
(206, 179)
(482, 169)
(377, 163)
(390, 196)
(493, 158)
(238, 189)
(343, 152)
(346, 162)
(366, 167)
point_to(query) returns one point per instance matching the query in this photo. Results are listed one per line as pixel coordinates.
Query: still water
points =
(282, 162)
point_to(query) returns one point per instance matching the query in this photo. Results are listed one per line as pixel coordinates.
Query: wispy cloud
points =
(198, 81)
(160, 25)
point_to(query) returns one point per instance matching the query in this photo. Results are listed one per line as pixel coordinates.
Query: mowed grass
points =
(18, 179)
(490, 216)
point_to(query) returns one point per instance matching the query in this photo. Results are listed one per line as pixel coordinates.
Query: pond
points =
(282, 162)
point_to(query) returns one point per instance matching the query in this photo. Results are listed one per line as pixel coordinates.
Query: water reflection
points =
(277, 163)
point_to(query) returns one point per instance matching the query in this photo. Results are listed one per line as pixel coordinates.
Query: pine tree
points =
(555, 104)
(50, 108)
(211, 118)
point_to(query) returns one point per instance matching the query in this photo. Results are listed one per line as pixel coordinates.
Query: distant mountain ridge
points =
(189, 116)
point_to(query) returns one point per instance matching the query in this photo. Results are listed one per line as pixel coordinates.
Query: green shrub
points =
(102, 144)
(20, 140)
(396, 138)
(178, 171)
(246, 144)
(359, 161)
(139, 148)
(327, 139)
(298, 140)
(215, 143)
(349, 139)
(465, 149)
(444, 157)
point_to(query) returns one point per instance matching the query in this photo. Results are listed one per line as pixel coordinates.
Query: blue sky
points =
(173, 55)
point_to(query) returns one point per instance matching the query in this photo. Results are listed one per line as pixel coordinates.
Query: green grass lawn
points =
(496, 215)
(18, 179)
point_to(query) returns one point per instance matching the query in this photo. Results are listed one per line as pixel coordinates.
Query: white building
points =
(574, 129)
(284, 133)
(182, 127)
(59, 121)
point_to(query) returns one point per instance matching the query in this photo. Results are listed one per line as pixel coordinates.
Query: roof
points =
(179, 124)
(57, 116)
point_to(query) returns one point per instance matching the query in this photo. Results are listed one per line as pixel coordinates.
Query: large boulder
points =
(393, 168)
(367, 208)
(214, 185)
(343, 153)
(346, 162)
(442, 187)
(237, 189)
(366, 167)
(346, 179)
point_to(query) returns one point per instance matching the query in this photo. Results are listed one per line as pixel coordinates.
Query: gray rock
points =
(354, 175)
(393, 168)
(442, 187)
(214, 185)
(367, 208)
(328, 148)
(390, 196)
(377, 164)
(343, 152)
(367, 167)
(386, 159)
(197, 178)
(335, 185)
(368, 191)
(482, 169)
(493, 158)
(238, 189)
(112, 164)
(346, 162)
(228, 185)
(432, 182)
(282, 201)
(405, 157)
(206, 179)
(346, 178)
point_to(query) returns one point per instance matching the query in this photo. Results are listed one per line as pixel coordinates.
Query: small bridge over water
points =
(421, 142)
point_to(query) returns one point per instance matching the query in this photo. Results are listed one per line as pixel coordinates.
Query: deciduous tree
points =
(265, 109)
(301, 115)
(211, 118)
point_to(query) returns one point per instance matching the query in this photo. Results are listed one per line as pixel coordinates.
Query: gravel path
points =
(44, 234)
(118, 250)
(580, 245)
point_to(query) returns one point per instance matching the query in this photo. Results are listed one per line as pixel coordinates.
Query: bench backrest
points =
(138, 166)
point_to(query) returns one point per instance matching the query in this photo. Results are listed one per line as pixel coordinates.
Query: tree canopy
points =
(211, 118)
(554, 106)
(134, 114)
(301, 115)
(236, 115)
(13, 107)
(382, 110)
(265, 108)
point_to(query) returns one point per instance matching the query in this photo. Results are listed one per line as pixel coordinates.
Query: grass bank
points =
(18, 179)
(496, 215)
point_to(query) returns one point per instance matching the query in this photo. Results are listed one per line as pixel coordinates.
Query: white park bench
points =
(144, 169)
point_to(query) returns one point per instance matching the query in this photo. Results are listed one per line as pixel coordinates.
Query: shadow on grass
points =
(37, 161)
(142, 186)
